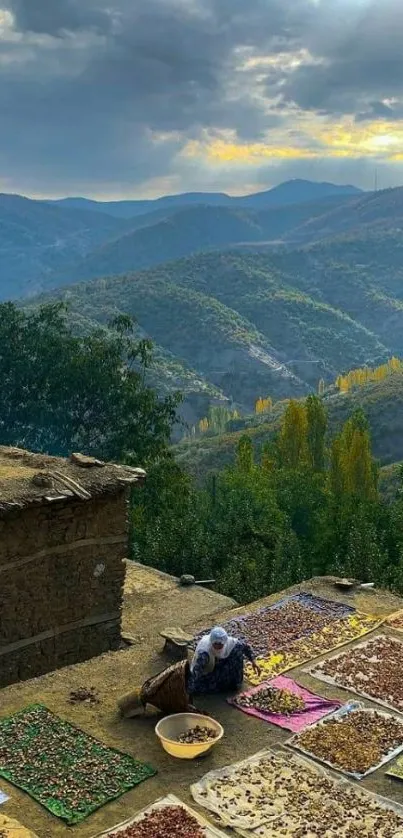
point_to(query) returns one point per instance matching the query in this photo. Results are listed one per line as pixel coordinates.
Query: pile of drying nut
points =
(272, 700)
(373, 669)
(83, 694)
(169, 822)
(355, 743)
(305, 803)
(197, 735)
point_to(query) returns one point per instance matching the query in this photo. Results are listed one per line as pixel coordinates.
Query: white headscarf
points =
(217, 635)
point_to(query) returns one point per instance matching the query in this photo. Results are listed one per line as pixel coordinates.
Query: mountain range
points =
(44, 244)
(291, 192)
(239, 301)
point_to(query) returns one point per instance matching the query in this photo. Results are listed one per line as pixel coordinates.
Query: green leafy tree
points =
(62, 392)
(245, 455)
(358, 467)
(365, 559)
(169, 519)
(336, 476)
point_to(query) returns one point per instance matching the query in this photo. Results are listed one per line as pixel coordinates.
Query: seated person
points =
(217, 664)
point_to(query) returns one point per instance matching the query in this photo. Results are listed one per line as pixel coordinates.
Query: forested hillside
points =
(303, 503)
(373, 211)
(237, 321)
(166, 235)
(228, 325)
(382, 403)
(37, 238)
(45, 245)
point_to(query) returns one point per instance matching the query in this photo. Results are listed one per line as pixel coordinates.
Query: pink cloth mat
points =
(316, 706)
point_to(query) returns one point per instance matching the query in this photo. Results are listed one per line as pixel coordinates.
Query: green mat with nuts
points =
(70, 773)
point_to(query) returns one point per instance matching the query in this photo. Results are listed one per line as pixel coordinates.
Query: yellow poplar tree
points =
(263, 405)
(293, 438)
(361, 376)
(358, 474)
(203, 425)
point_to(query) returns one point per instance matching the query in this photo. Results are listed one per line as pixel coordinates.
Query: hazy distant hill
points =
(36, 238)
(290, 192)
(45, 244)
(297, 192)
(165, 235)
(366, 213)
(345, 223)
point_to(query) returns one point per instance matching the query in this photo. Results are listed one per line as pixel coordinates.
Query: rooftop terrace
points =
(152, 602)
(28, 479)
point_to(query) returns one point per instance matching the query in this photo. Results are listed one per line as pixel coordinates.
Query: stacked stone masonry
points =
(61, 583)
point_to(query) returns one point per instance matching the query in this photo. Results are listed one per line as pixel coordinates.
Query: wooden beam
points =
(77, 488)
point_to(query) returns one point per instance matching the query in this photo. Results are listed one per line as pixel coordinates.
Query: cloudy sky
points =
(137, 98)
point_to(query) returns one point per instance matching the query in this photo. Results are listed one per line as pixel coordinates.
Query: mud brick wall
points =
(61, 584)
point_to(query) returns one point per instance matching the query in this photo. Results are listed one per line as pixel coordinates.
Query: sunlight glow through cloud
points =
(314, 141)
(126, 96)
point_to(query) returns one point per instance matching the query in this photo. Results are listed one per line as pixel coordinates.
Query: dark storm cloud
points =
(360, 46)
(56, 17)
(380, 110)
(87, 102)
(84, 84)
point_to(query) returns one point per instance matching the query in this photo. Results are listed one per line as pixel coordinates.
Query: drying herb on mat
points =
(169, 822)
(355, 742)
(272, 700)
(67, 771)
(335, 634)
(373, 669)
(273, 795)
(276, 626)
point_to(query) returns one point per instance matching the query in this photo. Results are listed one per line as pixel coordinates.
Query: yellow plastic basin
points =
(169, 729)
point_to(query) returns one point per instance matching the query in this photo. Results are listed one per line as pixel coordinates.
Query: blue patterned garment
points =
(226, 676)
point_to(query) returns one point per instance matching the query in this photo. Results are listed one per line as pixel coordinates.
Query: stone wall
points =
(61, 584)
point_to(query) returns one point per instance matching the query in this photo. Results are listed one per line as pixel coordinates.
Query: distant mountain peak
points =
(295, 191)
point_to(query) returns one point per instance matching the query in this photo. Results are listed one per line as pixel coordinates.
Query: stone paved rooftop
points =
(153, 601)
(27, 478)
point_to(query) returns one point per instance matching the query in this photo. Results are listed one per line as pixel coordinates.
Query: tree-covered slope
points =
(238, 324)
(222, 346)
(167, 235)
(311, 336)
(378, 210)
(360, 275)
(37, 239)
(382, 403)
